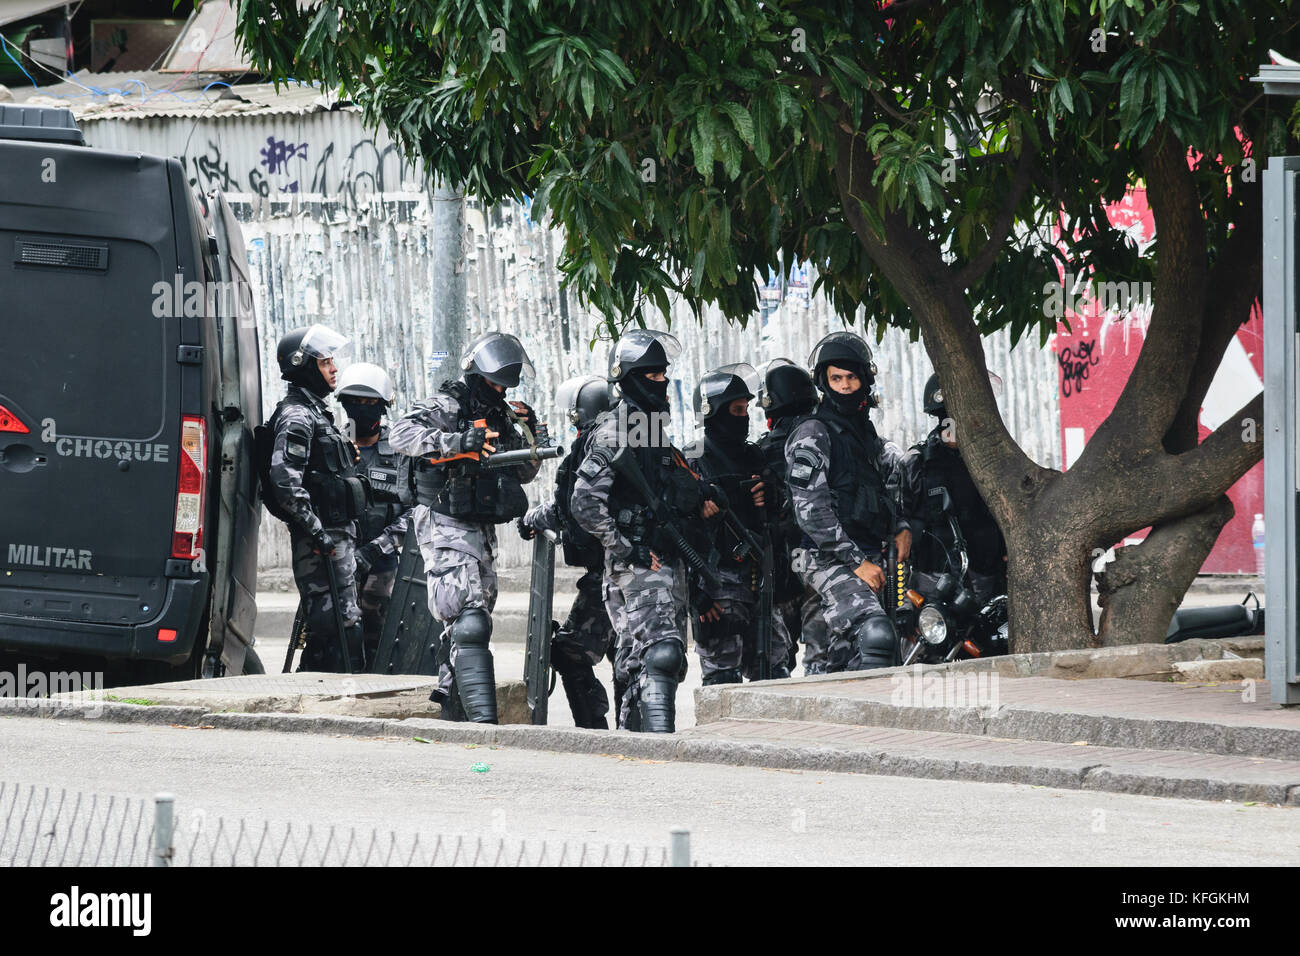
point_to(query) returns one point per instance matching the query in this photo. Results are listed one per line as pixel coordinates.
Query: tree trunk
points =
(1049, 578)
(1143, 586)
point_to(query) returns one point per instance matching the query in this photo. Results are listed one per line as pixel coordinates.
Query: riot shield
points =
(537, 654)
(411, 640)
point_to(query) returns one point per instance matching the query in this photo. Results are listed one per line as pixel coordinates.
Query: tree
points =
(919, 156)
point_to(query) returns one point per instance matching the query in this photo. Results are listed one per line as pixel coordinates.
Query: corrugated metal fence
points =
(339, 231)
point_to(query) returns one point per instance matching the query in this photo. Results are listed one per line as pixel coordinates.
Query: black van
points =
(129, 387)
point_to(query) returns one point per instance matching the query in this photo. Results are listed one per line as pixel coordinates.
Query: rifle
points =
(760, 547)
(625, 464)
(502, 459)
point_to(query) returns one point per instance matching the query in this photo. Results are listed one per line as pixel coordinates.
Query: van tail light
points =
(9, 422)
(187, 532)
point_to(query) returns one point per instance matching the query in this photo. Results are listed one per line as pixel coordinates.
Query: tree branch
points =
(1006, 218)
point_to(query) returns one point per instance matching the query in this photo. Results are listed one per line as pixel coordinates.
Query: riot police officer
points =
(838, 474)
(786, 394)
(459, 503)
(366, 391)
(315, 489)
(935, 463)
(727, 626)
(587, 635)
(645, 583)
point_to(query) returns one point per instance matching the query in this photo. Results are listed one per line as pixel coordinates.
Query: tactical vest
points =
(857, 482)
(461, 489)
(669, 481)
(337, 493)
(729, 467)
(581, 548)
(943, 467)
(386, 491)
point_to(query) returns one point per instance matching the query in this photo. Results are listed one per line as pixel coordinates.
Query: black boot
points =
(729, 676)
(586, 697)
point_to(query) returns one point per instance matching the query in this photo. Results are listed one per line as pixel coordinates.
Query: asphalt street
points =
(736, 815)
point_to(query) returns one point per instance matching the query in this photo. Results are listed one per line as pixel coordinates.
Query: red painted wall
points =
(1095, 356)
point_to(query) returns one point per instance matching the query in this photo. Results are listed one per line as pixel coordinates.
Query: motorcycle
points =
(1231, 620)
(950, 624)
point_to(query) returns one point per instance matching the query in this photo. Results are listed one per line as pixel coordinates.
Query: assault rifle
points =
(759, 547)
(625, 464)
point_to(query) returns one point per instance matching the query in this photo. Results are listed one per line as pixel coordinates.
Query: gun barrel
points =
(521, 456)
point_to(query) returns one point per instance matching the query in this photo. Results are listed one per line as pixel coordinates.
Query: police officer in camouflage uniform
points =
(840, 477)
(726, 632)
(587, 635)
(458, 505)
(317, 493)
(645, 584)
(936, 463)
(786, 394)
(366, 391)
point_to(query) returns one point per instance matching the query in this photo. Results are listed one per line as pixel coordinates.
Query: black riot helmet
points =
(582, 399)
(498, 357)
(847, 351)
(635, 353)
(722, 386)
(934, 402)
(785, 389)
(300, 348)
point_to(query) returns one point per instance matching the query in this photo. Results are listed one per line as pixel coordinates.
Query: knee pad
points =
(473, 628)
(877, 644)
(663, 659)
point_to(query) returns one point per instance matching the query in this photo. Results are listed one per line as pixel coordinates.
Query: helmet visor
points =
(322, 342)
(844, 346)
(500, 358)
(724, 385)
(636, 349)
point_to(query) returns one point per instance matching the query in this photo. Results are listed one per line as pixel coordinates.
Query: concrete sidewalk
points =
(1198, 739)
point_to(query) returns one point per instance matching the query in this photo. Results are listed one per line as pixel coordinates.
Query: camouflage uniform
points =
(376, 588)
(301, 422)
(459, 556)
(645, 607)
(830, 554)
(728, 647)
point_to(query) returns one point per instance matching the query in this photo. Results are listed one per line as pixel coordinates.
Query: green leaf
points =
(741, 120)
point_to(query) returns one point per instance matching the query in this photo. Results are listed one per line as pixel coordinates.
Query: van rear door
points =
(89, 382)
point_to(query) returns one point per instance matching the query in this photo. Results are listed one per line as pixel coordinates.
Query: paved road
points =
(737, 815)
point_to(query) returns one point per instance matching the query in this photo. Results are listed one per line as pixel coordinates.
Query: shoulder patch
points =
(297, 442)
(802, 468)
(593, 465)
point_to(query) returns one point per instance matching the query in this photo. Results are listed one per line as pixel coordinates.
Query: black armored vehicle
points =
(129, 388)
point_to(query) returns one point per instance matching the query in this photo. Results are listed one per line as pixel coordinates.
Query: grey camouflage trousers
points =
(376, 594)
(732, 642)
(586, 638)
(846, 601)
(457, 581)
(313, 582)
(803, 616)
(645, 607)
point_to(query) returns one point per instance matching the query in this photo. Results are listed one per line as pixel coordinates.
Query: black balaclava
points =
(308, 376)
(367, 417)
(644, 394)
(855, 403)
(482, 394)
(727, 429)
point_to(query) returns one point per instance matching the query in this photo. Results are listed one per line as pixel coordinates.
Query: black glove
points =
(472, 439)
(367, 557)
(322, 543)
(640, 556)
(525, 531)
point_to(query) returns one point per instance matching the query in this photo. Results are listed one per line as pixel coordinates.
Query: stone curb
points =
(1103, 730)
(826, 759)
